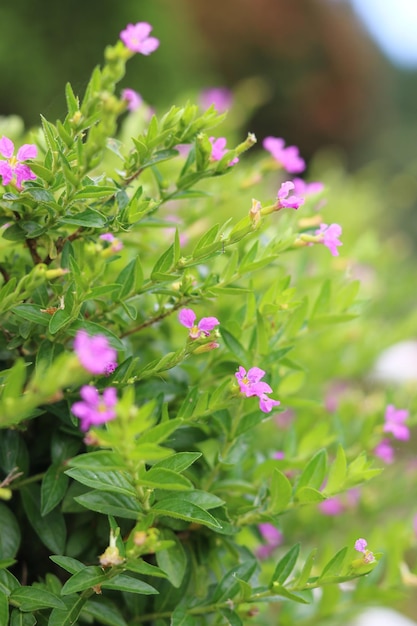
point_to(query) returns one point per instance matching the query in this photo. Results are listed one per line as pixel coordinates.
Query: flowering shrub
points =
(148, 475)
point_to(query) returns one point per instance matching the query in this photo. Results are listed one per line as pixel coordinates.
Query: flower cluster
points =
(133, 99)
(13, 169)
(394, 424)
(136, 38)
(94, 353)
(219, 150)
(187, 318)
(288, 157)
(250, 384)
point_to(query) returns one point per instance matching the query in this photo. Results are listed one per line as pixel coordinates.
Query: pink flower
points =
(385, 451)
(394, 422)
(331, 506)
(330, 236)
(301, 188)
(285, 202)
(94, 353)
(219, 150)
(133, 99)
(116, 244)
(360, 545)
(95, 409)
(250, 384)
(187, 318)
(13, 168)
(288, 157)
(220, 97)
(273, 538)
(279, 455)
(136, 38)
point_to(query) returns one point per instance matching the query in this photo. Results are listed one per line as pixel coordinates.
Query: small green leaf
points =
(4, 609)
(84, 579)
(180, 461)
(334, 566)
(337, 473)
(103, 613)
(173, 560)
(123, 582)
(309, 495)
(67, 563)
(53, 488)
(9, 535)
(161, 478)
(229, 586)
(113, 481)
(33, 599)
(51, 528)
(234, 346)
(18, 618)
(285, 566)
(314, 473)
(182, 509)
(88, 219)
(180, 617)
(110, 504)
(280, 492)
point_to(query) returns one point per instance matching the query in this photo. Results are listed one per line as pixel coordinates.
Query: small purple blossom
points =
(115, 244)
(187, 318)
(394, 423)
(133, 99)
(288, 157)
(136, 38)
(285, 202)
(13, 169)
(220, 97)
(219, 150)
(385, 451)
(279, 455)
(250, 384)
(360, 545)
(94, 352)
(331, 506)
(330, 237)
(95, 409)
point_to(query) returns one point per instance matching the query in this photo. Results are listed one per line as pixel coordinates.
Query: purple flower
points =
(279, 455)
(94, 352)
(13, 168)
(136, 38)
(219, 150)
(250, 384)
(360, 545)
(95, 409)
(285, 202)
(220, 97)
(329, 237)
(301, 188)
(288, 157)
(133, 99)
(187, 318)
(331, 506)
(385, 451)
(116, 244)
(394, 422)
(273, 538)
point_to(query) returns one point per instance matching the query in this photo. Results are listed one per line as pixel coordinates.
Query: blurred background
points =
(320, 73)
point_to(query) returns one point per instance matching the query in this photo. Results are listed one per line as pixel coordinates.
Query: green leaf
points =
(88, 219)
(84, 579)
(204, 499)
(142, 567)
(161, 478)
(8, 582)
(306, 571)
(314, 473)
(182, 509)
(110, 504)
(15, 381)
(173, 560)
(21, 619)
(285, 566)
(180, 461)
(4, 609)
(113, 481)
(51, 528)
(229, 586)
(72, 101)
(334, 566)
(234, 346)
(10, 533)
(127, 279)
(309, 495)
(53, 488)
(32, 313)
(280, 492)
(33, 599)
(180, 617)
(94, 191)
(337, 473)
(103, 613)
(67, 563)
(159, 433)
(100, 460)
(164, 265)
(291, 384)
(323, 299)
(232, 618)
(123, 582)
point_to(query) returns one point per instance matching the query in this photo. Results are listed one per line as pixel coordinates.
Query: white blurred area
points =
(397, 364)
(393, 26)
(382, 617)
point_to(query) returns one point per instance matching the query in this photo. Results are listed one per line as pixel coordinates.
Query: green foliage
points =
(158, 516)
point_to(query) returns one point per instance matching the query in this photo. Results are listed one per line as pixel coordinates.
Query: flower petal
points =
(187, 317)
(6, 147)
(27, 151)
